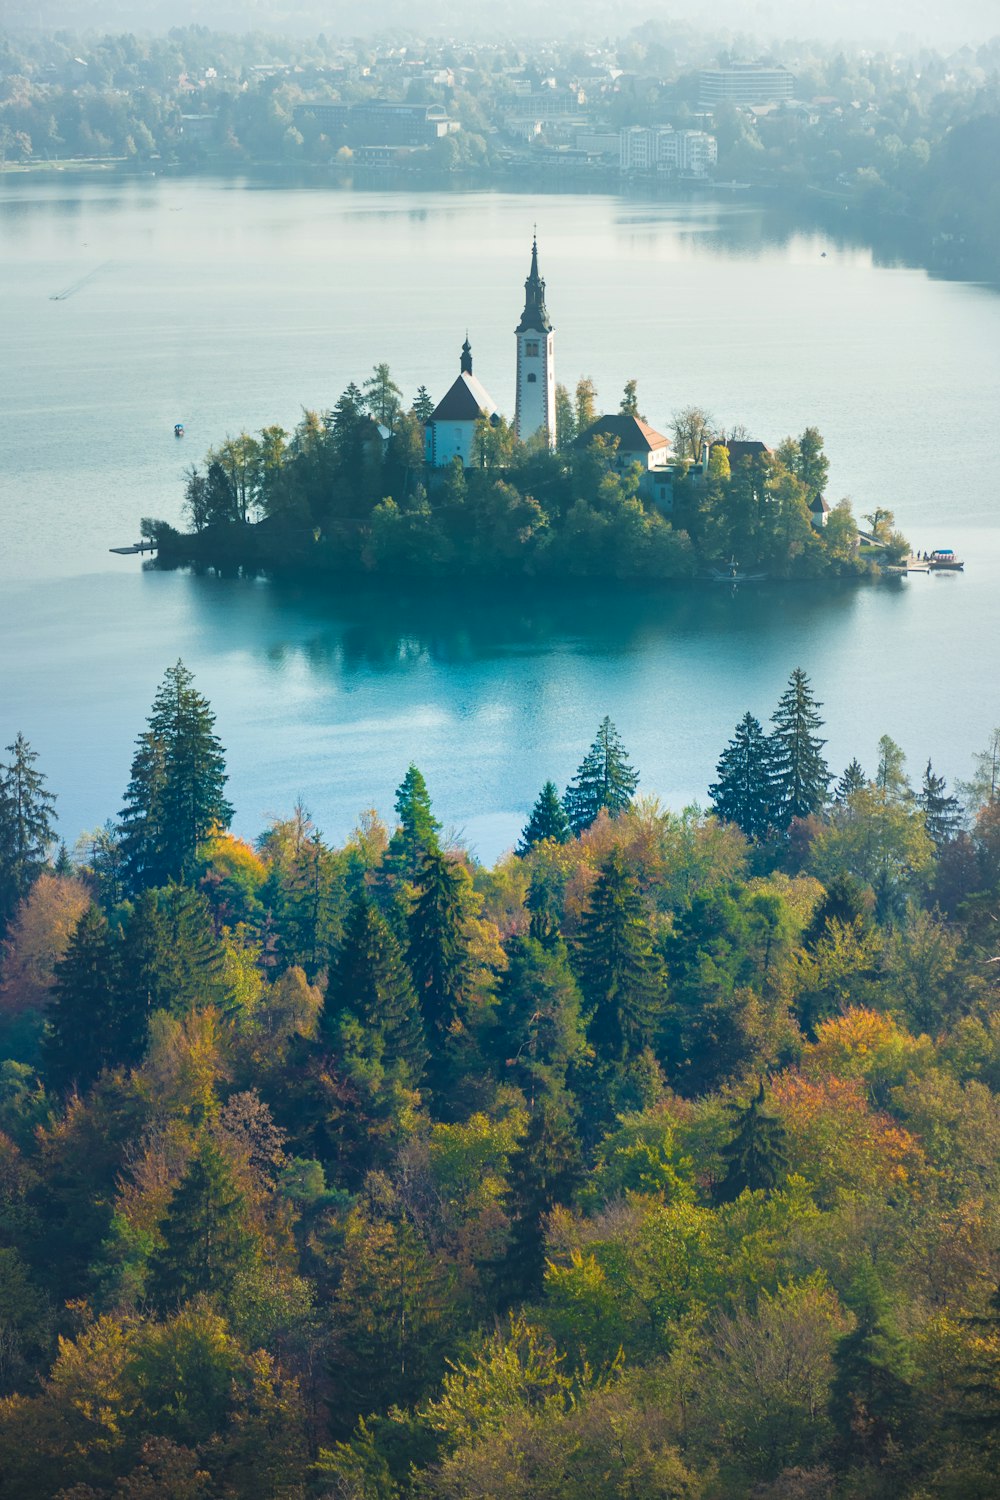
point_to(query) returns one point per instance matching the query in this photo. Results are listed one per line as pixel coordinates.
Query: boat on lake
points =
(944, 560)
(732, 574)
(178, 429)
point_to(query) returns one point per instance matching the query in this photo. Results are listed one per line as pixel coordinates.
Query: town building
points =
(744, 84)
(654, 148)
(375, 123)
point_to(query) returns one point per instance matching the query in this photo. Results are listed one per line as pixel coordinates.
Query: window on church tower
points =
(531, 348)
(532, 378)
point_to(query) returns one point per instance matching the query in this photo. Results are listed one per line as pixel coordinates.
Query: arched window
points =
(532, 378)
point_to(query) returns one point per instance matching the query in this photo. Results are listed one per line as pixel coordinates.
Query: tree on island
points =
(175, 796)
(852, 780)
(629, 404)
(605, 779)
(744, 791)
(423, 404)
(548, 821)
(692, 428)
(27, 827)
(383, 400)
(801, 775)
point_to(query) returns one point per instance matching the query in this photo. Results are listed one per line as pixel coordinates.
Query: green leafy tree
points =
(629, 404)
(565, 417)
(605, 779)
(175, 796)
(27, 828)
(890, 775)
(548, 821)
(755, 1157)
(942, 812)
(743, 793)
(801, 775)
(207, 1239)
(621, 977)
(382, 397)
(585, 404)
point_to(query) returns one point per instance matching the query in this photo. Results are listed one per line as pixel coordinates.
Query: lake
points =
(127, 306)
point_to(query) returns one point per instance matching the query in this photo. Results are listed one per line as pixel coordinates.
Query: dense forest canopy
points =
(660, 1159)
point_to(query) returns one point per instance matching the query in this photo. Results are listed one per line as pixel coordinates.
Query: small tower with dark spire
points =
(535, 409)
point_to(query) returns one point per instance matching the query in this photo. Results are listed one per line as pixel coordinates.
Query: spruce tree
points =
(370, 982)
(755, 1156)
(801, 775)
(84, 1024)
(942, 812)
(548, 821)
(605, 779)
(852, 780)
(175, 795)
(621, 976)
(423, 404)
(171, 957)
(871, 1401)
(206, 1236)
(27, 828)
(743, 793)
(544, 1170)
(537, 1031)
(418, 829)
(438, 962)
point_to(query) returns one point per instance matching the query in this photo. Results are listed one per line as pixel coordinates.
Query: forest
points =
(348, 493)
(659, 1159)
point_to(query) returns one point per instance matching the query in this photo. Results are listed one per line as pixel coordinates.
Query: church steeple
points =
(466, 365)
(534, 316)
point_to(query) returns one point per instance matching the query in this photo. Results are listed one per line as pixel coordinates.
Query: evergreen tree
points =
(171, 959)
(942, 812)
(548, 821)
(423, 404)
(84, 1025)
(307, 903)
(755, 1157)
(537, 1028)
(27, 828)
(801, 775)
(743, 793)
(383, 398)
(543, 1172)
(418, 829)
(870, 1398)
(852, 780)
(620, 974)
(175, 794)
(979, 1414)
(604, 780)
(438, 962)
(371, 983)
(206, 1236)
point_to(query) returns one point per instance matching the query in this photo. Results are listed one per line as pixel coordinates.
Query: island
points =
(454, 491)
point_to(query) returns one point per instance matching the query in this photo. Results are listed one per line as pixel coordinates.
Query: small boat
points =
(732, 574)
(178, 429)
(945, 560)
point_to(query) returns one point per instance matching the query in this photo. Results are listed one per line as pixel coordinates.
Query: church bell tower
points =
(535, 410)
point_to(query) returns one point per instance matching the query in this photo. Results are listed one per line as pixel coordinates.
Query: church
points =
(450, 429)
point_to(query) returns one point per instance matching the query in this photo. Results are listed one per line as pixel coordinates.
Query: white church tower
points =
(536, 380)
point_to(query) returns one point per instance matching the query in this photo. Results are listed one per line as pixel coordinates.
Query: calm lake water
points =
(228, 305)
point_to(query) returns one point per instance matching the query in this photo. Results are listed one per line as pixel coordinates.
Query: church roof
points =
(633, 434)
(535, 317)
(466, 401)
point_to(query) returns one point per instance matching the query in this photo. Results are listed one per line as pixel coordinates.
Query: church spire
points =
(466, 365)
(534, 316)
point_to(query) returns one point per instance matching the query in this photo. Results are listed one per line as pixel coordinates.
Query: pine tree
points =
(604, 780)
(27, 828)
(870, 1398)
(537, 1027)
(755, 1156)
(548, 821)
(370, 982)
(743, 793)
(83, 1032)
(852, 780)
(175, 795)
(438, 962)
(942, 813)
(207, 1239)
(543, 1172)
(620, 974)
(801, 775)
(423, 404)
(307, 904)
(417, 833)
(171, 958)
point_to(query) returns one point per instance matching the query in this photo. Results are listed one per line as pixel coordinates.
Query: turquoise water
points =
(225, 306)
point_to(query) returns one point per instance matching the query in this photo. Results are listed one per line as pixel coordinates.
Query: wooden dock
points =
(136, 547)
